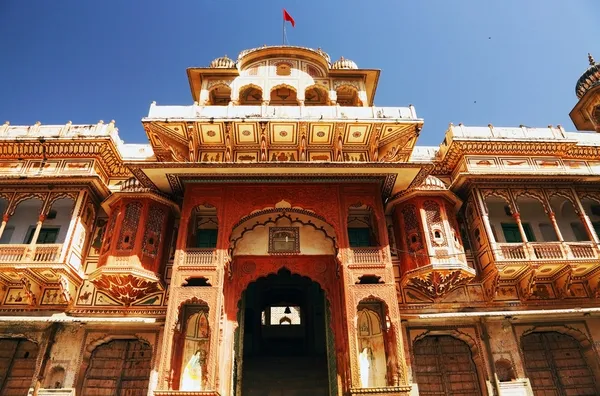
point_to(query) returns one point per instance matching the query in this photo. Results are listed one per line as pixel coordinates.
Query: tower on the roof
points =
(586, 113)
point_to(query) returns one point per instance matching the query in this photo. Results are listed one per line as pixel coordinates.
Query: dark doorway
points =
(283, 328)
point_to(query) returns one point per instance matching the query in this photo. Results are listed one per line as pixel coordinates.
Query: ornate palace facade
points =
(284, 236)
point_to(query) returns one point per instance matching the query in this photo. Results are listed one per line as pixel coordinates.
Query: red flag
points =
(288, 17)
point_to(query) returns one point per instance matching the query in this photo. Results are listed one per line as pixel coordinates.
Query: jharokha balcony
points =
(543, 239)
(41, 242)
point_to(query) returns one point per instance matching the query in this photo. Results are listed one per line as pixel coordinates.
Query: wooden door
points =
(18, 358)
(119, 368)
(444, 366)
(555, 365)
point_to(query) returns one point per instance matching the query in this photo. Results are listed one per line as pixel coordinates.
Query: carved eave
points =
(125, 284)
(438, 280)
(464, 180)
(95, 184)
(369, 76)
(459, 147)
(170, 178)
(421, 192)
(389, 135)
(197, 74)
(580, 115)
(103, 150)
(140, 194)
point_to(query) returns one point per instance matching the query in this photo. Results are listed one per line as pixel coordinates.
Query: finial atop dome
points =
(590, 78)
(222, 63)
(344, 63)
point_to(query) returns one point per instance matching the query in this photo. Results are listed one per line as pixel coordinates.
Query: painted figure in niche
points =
(365, 361)
(371, 345)
(195, 352)
(191, 379)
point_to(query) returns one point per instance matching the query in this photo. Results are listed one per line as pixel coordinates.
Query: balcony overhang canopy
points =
(170, 178)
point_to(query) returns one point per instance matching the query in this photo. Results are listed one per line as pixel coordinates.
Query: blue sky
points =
(506, 62)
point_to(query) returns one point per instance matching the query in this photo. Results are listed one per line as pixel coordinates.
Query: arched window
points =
(219, 95)
(361, 227)
(371, 346)
(283, 95)
(444, 366)
(204, 229)
(18, 358)
(555, 364)
(23, 222)
(119, 368)
(251, 95)
(348, 96)
(316, 95)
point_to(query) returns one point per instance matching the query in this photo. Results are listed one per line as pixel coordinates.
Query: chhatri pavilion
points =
(282, 235)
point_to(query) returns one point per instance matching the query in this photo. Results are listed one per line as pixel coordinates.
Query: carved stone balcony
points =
(35, 268)
(198, 257)
(531, 263)
(368, 257)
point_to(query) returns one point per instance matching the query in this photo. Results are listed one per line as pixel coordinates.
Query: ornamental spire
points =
(591, 59)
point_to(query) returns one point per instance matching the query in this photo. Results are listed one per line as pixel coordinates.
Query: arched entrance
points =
(282, 341)
(555, 365)
(444, 366)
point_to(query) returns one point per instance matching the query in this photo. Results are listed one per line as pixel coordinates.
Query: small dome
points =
(589, 79)
(343, 63)
(432, 183)
(222, 63)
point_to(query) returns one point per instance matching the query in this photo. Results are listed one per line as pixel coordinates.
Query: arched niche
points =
(283, 230)
(362, 226)
(316, 95)
(219, 95)
(251, 95)
(372, 343)
(55, 378)
(203, 230)
(347, 95)
(283, 95)
(191, 346)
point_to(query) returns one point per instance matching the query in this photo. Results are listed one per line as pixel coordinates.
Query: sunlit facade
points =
(282, 235)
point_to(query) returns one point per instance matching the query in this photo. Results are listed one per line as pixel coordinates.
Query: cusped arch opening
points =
(316, 95)
(282, 231)
(251, 95)
(283, 95)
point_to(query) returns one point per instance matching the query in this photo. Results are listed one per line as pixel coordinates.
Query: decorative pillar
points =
(552, 217)
(585, 219)
(517, 218)
(38, 228)
(5, 219)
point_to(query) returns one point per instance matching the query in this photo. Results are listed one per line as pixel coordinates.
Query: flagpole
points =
(283, 32)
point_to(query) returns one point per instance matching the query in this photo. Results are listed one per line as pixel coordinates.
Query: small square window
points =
(284, 240)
